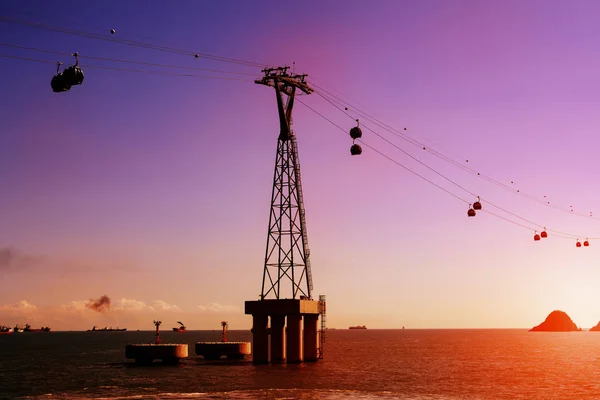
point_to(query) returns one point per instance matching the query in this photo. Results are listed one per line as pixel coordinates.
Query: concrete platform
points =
(282, 307)
(166, 352)
(215, 350)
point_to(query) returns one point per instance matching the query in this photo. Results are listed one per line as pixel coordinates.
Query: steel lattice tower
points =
(287, 258)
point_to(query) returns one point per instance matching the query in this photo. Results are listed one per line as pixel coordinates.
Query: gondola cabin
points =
(355, 133)
(59, 83)
(73, 75)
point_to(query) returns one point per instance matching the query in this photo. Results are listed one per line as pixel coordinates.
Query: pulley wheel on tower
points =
(355, 150)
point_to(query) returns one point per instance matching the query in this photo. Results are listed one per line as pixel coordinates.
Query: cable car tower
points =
(286, 297)
(287, 258)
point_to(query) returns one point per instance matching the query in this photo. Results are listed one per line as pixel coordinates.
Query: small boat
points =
(28, 328)
(181, 327)
(5, 330)
(358, 327)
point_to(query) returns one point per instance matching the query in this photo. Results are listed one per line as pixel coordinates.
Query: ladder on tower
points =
(322, 333)
(302, 213)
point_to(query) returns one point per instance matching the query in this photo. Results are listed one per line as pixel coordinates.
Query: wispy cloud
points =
(75, 305)
(216, 307)
(19, 306)
(160, 305)
(14, 259)
(124, 304)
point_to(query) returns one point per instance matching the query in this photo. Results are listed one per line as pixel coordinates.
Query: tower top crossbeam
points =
(280, 74)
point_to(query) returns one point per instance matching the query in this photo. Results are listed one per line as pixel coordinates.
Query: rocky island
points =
(556, 321)
(596, 328)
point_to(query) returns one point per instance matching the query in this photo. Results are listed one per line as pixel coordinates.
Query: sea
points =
(357, 364)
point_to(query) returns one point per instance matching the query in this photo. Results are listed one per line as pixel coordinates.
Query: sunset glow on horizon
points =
(153, 187)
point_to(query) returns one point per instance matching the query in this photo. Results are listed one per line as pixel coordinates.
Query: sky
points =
(154, 188)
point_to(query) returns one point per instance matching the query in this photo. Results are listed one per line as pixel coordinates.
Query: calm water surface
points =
(358, 364)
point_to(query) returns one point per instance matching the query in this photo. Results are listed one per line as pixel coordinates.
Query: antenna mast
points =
(287, 255)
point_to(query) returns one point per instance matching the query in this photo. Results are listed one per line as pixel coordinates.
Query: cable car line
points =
(134, 70)
(372, 119)
(129, 61)
(408, 154)
(4, 18)
(539, 227)
(384, 155)
(436, 153)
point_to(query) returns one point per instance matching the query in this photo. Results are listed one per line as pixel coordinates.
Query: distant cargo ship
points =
(105, 329)
(28, 328)
(358, 327)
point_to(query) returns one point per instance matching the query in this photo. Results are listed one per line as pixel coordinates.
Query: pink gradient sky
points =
(155, 189)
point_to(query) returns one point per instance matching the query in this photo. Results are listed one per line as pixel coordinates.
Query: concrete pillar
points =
(260, 339)
(311, 324)
(294, 338)
(277, 338)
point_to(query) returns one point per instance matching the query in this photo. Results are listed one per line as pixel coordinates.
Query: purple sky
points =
(154, 188)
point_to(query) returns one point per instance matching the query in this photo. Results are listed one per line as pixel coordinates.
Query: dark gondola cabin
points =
(355, 150)
(536, 237)
(544, 234)
(471, 212)
(73, 75)
(59, 83)
(355, 133)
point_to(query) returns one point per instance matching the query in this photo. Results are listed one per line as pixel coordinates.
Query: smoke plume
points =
(102, 304)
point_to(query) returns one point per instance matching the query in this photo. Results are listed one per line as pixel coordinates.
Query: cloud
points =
(19, 307)
(75, 305)
(11, 258)
(160, 305)
(130, 305)
(15, 260)
(101, 304)
(122, 305)
(216, 307)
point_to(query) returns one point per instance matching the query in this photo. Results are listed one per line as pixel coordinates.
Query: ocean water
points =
(358, 364)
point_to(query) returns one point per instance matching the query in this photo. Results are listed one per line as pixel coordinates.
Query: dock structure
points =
(286, 300)
(224, 348)
(147, 353)
(294, 330)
